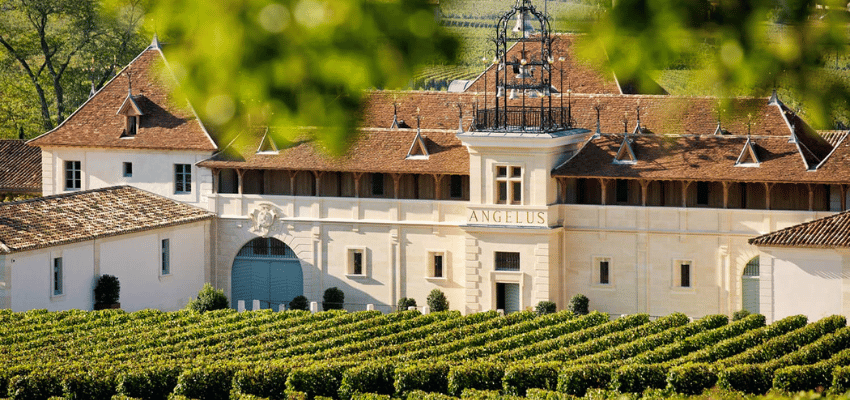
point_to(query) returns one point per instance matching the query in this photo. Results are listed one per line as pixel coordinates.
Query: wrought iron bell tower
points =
(523, 78)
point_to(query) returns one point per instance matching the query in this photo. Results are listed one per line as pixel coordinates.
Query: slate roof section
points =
(376, 150)
(828, 232)
(168, 123)
(80, 216)
(20, 167)
(702, 158)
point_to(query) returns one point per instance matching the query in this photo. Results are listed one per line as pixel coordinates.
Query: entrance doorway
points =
(507, 297)
(750, 286)
(267, 270)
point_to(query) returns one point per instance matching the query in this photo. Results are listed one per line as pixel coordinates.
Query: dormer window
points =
(132, 125)
(132, 115)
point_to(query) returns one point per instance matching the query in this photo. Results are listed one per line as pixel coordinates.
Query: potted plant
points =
(107, 292)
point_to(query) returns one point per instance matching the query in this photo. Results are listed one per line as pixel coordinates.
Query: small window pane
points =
(502, 171)
(128, 169)
(517, 192)
(686, 275)
(503, 192)
(166, 258)
(57, 276)
(507, 261)
(603, 272)
(357, 263)
(182, 178)
(516, 172)
(438, 265)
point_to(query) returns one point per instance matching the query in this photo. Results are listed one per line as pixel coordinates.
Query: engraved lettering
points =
(485, 216)
(497, 216)
(540, 218)
(473, 217)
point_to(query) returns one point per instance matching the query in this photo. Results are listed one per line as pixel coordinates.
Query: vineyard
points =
(336, 354)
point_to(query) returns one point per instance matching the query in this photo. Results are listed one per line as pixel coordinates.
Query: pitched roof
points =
(168, 122)
(702, 157)
(80, 216)
(828, 232)
(376, 150)
(20, 167)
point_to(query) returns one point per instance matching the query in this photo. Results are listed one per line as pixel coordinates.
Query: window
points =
(57, 276)
(128, 169)
(604, 277)
(73, 175)
(182, 178)
(507, 261)
(165, 257)
(509, 185)
(456, 187)
(132, 125)
(438, 265)
(702, 193)
(685, 274)
(377, 184)
(622, 191)
(357, 262)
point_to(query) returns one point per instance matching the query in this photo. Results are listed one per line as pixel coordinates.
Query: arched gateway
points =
(265, 269)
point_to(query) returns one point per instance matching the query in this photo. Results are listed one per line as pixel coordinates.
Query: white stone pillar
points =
(314, 307)
(370, 307)
(411, 308)
(256, 305)
(281, 307)
(426, 310)
(240, 305)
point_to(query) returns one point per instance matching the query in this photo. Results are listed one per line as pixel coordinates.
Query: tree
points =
(62, 50)
(799, 46)
(405, 302)
(333, 299)
(209, 298)
(297, 63)
(107, 291)
(579, 304)
(299, 303)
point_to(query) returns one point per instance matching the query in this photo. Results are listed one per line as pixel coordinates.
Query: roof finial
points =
(598, 108)
(774, 99)
(394, 125)
(417, 120)
(459, 117)
(749, 123)
(638, 129)
(155, 42)
(129, 82)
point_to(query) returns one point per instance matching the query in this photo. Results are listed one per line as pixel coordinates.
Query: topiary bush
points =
(299, 303)
(107, 291)
(405, 302)
(209, 298)
(740, 314)
(545, 307)
(692, 378)
(579, 304)
(437, 301)
(333, 299)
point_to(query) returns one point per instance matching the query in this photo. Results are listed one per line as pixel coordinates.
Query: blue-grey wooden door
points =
(267, 270)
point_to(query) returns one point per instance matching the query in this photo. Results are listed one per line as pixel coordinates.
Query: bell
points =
(513, 94)
(523, 24)
(500, 92)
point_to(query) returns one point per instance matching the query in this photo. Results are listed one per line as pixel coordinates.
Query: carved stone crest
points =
(263, 218)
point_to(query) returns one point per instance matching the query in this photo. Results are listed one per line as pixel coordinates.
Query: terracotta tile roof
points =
(167, 123)
(828, 232)
(75, 217)
(694, 157)
(579, 76)
(658, 113)
(376, 150)
(20, 167)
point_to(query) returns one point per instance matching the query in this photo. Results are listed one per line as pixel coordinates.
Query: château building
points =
(541, 179)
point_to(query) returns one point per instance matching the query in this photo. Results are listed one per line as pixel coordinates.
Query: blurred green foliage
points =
(297, 63)
(794, 45)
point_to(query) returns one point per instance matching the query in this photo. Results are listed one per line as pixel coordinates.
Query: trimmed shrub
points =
(545, 307)
(638, 377)
(579, 304)
(739, 315)
(299, 303)
(267, 380)
(691, 379)
(8, 372)
(797, 378)
(752, 379)
(437, 301)
(405, 302)
(209, 299)
(90, 384)
(475, 375)
(333, 299)
(578, 379)
(370, 396)
(320, 379)
(295, 395)
(37, 385)
(107, 290)
(427, 377)
(372, 378)
(540, 394)
(416, 395)
(154, 383)
(519, 378)
(212, 382)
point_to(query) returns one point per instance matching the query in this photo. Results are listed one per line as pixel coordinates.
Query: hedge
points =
(519, 378)
(636, 378)
(154, 382)
(265, 380)
(752, 379)
(692, 378)
(480, 375)
(787, 343)
(211, 382)
(89, 384)
(374, 377)
(37, 385)
(578, 379)
(427, 377)
(316, 380)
